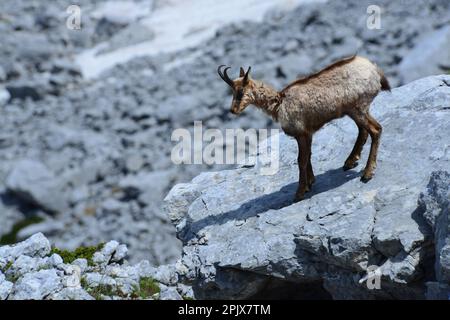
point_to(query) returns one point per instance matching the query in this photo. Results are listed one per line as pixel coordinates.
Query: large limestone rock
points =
(34, 182)
(243, 236)
(435, 202)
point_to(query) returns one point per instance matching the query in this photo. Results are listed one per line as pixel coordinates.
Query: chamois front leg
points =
(303, 158)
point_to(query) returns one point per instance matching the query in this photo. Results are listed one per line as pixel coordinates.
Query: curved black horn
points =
(246, 74)
(225, 76)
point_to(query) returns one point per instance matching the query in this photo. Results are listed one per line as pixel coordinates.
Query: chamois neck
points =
(266, 98)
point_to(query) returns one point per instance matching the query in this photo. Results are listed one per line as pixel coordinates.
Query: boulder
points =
(23, 92)
(142, 185)
(33, 182)
(169, 293)
(435, 203)
(36, 285)
(4, 96)
(71, 294)
(243, 237)
(35, 246)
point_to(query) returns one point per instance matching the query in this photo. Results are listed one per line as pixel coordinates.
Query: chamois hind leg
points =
(352, 160)
(375, 130)
(365, 120)
(310, 172)
(303, 156)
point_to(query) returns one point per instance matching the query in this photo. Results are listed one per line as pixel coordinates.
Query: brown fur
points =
(331, 66)
(346, 87)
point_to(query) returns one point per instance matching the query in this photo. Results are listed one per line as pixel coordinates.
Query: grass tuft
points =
(79, 253)
(147, 287)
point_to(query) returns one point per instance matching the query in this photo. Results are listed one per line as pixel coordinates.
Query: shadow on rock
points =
(274, 201)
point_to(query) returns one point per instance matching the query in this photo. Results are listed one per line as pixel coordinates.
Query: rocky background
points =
(85, 155)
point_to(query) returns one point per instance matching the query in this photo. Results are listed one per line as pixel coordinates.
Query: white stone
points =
(5, 287)
(36, 285)
(36, 245)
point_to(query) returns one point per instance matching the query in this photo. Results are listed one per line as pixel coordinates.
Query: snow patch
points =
(182, 25)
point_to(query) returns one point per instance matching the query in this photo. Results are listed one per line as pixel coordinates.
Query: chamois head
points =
(240, 87)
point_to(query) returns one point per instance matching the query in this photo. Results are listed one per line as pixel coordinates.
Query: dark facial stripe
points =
(239, 95)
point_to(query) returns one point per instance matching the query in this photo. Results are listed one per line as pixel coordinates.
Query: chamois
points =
(347, 87)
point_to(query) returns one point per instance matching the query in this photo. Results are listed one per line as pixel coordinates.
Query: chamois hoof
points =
(365, 179)
(347, 167)
(299, 197)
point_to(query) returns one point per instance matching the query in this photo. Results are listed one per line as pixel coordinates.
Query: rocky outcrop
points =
(32, 270)
(243, 237)
(435, 203)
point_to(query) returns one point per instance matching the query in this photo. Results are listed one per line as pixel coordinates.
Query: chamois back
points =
(353, 81)
(316, 74)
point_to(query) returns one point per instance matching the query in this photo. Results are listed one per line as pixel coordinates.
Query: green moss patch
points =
(7, 267)
(102, 290)
(11, 237)
(147, 287)
(79, 253)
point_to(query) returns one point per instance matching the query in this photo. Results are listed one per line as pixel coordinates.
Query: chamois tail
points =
(385, 86)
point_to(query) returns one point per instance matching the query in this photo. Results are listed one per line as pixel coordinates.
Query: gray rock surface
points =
(33, 182)
(243, 237)
(36, 245)
(36, 285)
(435, 202)
(5, 287)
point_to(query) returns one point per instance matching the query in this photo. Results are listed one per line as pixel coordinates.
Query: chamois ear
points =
(246, 75)
(241, 72)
